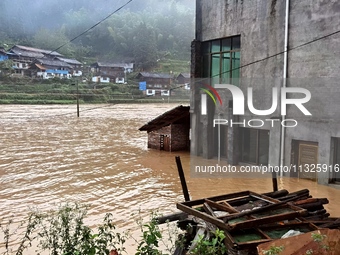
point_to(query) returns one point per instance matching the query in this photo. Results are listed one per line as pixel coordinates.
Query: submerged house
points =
(169, 131)
(284, 50)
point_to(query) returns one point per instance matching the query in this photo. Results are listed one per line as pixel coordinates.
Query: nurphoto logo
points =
(238, 104)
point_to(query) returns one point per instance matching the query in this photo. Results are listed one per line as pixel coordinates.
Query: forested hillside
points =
(145, 31)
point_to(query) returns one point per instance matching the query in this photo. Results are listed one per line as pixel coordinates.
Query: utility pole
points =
(77, 98)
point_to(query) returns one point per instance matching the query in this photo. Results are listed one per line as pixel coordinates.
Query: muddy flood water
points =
(49, 156)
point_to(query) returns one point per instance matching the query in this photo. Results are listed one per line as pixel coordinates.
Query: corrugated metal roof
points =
(70, 61)
(102, 64)
(185, 75)
(26, 48)
(40, 66)
(2, 50)
(29, 54)
(155, 75)
(53, 62)
(179, 113)
(120, 65)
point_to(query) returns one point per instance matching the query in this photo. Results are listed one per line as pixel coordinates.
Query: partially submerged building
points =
(264, 45)
(169, 131)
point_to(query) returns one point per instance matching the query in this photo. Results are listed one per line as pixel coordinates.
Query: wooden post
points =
(274, 180)
(77, 99)
(182, 178)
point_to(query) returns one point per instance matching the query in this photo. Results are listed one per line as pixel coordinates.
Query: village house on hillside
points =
(3, 54)
(110, 72)
(75, 65)
(156, 83)
(169, 131)
(184, 79)
(42, 63)
(239, 43)
(50, 68)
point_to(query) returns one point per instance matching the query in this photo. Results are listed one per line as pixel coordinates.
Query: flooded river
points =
(49, 156)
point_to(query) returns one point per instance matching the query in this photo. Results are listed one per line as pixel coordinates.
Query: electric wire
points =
(269, 57)
(90, 28)
(201, 79)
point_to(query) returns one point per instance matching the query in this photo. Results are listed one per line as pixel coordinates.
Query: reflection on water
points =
(49, 156)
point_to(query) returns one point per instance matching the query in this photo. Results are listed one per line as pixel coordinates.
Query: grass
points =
(174, 66)
(56, 91)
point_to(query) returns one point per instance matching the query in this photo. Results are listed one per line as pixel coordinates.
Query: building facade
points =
(157, 84)
(108, 72)
(264, 45)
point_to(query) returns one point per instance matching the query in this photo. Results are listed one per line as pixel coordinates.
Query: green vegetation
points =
(274, 250)
(323, 246)
(213, 246)
(63, 232)
(144, 31)
(56, 91)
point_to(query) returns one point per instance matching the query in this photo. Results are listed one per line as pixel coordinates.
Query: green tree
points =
(145, 48)
(6, 68)
(51, 40)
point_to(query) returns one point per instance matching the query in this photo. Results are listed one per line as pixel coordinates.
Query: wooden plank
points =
(276, 194)
(292, 225)
(221, 206)
(219, 223)
(332, 224)
(264, 198)
(251, 223)
(208, 210)
(217, 198)
(311, 200)
(182, 179)
(171, 217)
(264, 208)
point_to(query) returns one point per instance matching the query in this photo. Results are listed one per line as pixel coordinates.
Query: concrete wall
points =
(260, 23)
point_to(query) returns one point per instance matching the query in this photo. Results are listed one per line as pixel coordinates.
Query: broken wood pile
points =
(249, 219)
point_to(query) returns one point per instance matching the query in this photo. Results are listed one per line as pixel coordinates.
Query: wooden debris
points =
(251, 219)
(323, 242)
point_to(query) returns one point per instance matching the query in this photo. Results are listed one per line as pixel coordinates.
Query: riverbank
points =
(28, 91)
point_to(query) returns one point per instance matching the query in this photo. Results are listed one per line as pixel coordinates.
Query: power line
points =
(202, 79)
(269, 57)
(90, 28)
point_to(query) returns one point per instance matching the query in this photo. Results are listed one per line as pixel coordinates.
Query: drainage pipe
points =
(284, 84)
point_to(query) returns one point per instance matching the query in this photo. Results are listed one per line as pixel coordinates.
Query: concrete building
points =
(264, 45)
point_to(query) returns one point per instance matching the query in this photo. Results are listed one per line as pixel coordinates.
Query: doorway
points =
(305, 158)
(254, 146)
(336, 159)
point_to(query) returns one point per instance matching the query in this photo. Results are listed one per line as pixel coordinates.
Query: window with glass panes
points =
(221, 60)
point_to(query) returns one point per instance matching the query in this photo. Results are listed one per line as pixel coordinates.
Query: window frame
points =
(218, 49)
